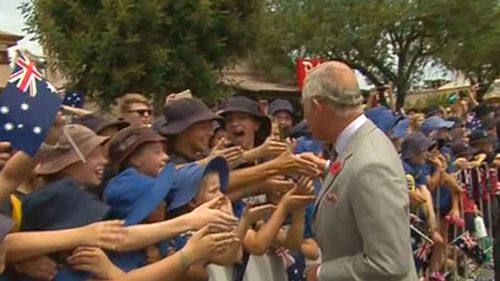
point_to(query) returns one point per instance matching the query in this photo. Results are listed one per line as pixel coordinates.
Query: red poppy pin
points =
(335, 168)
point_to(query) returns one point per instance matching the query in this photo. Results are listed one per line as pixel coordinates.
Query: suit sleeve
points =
(379, 200)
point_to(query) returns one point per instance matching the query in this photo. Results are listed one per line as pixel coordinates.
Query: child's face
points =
(209, 189)
(150, 158)
(420, 159)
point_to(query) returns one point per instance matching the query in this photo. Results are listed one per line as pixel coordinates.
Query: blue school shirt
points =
(444, 200)
(64, 274)
(308, 144)
(129, 261)
(417, 172)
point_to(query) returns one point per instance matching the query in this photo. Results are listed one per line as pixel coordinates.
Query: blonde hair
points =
(132, 98)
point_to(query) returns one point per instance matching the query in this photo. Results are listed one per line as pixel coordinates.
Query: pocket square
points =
(332, 197)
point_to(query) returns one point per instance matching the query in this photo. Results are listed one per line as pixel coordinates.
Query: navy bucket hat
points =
(183, 113)
(187, 181)
(415, 144)
(133, 196)
(246, 105)
(281, 105)
(61, 205)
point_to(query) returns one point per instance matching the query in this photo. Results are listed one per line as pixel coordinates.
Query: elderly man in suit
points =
(361, 217)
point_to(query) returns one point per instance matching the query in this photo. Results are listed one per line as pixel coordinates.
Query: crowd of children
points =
(201, 195)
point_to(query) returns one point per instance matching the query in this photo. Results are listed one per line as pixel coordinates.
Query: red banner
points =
(303, 67)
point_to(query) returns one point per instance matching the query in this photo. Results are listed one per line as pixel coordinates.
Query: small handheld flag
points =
(28, 107)
(74, 99)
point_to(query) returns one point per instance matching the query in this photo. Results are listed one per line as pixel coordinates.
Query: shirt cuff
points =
(327, 167)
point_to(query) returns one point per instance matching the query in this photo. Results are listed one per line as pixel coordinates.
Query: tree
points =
(476, 44)
(386, 40)
(108, 48)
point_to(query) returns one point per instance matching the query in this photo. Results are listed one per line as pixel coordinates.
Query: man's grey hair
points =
(325, 83)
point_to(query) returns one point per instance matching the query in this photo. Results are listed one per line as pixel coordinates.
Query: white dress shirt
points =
(347, 133)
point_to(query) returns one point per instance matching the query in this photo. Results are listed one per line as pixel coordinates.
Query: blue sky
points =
(11, 21)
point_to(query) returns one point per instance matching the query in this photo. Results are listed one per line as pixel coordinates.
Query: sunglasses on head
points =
(142, 112)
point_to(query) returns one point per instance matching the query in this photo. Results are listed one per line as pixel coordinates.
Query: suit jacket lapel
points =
(343, 157)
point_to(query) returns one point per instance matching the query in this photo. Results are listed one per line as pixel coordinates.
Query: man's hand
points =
(39, 268)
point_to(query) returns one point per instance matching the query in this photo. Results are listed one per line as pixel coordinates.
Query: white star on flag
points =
(25, 106)
(51, 88)
(8, 126)
(37, 130)
(4, 109)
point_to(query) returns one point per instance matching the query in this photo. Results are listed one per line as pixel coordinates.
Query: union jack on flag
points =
(25, 118)
(421, 255)
(26, 76)
(469, 247)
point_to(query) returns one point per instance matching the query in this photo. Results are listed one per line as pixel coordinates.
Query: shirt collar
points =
(347, 133)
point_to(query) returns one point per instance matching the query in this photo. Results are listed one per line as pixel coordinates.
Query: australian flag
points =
(74, 99)
(467, 245)
(422, 248)
(28, 107)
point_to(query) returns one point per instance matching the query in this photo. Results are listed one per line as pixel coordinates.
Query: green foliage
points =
(386, 40)
(475, 42)
(110, 47)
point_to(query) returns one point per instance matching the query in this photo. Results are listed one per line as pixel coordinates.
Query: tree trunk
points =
(401, 91)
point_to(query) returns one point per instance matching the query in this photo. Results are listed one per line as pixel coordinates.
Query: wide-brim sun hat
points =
(127, 141)
(189, 177)
(133, 196)
(241, 104)
(182, 114)
(74, 146)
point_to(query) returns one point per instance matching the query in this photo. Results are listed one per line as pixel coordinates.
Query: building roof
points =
(9, 37)
(242, 77)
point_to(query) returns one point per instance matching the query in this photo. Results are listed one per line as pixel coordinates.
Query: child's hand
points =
(416, 199)
(5, 153)
(305, 186)
(40, 268)
(207, 243)
(94, 260)
(292, 201)
(210, 213)
(252, 215)
(106, 234)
